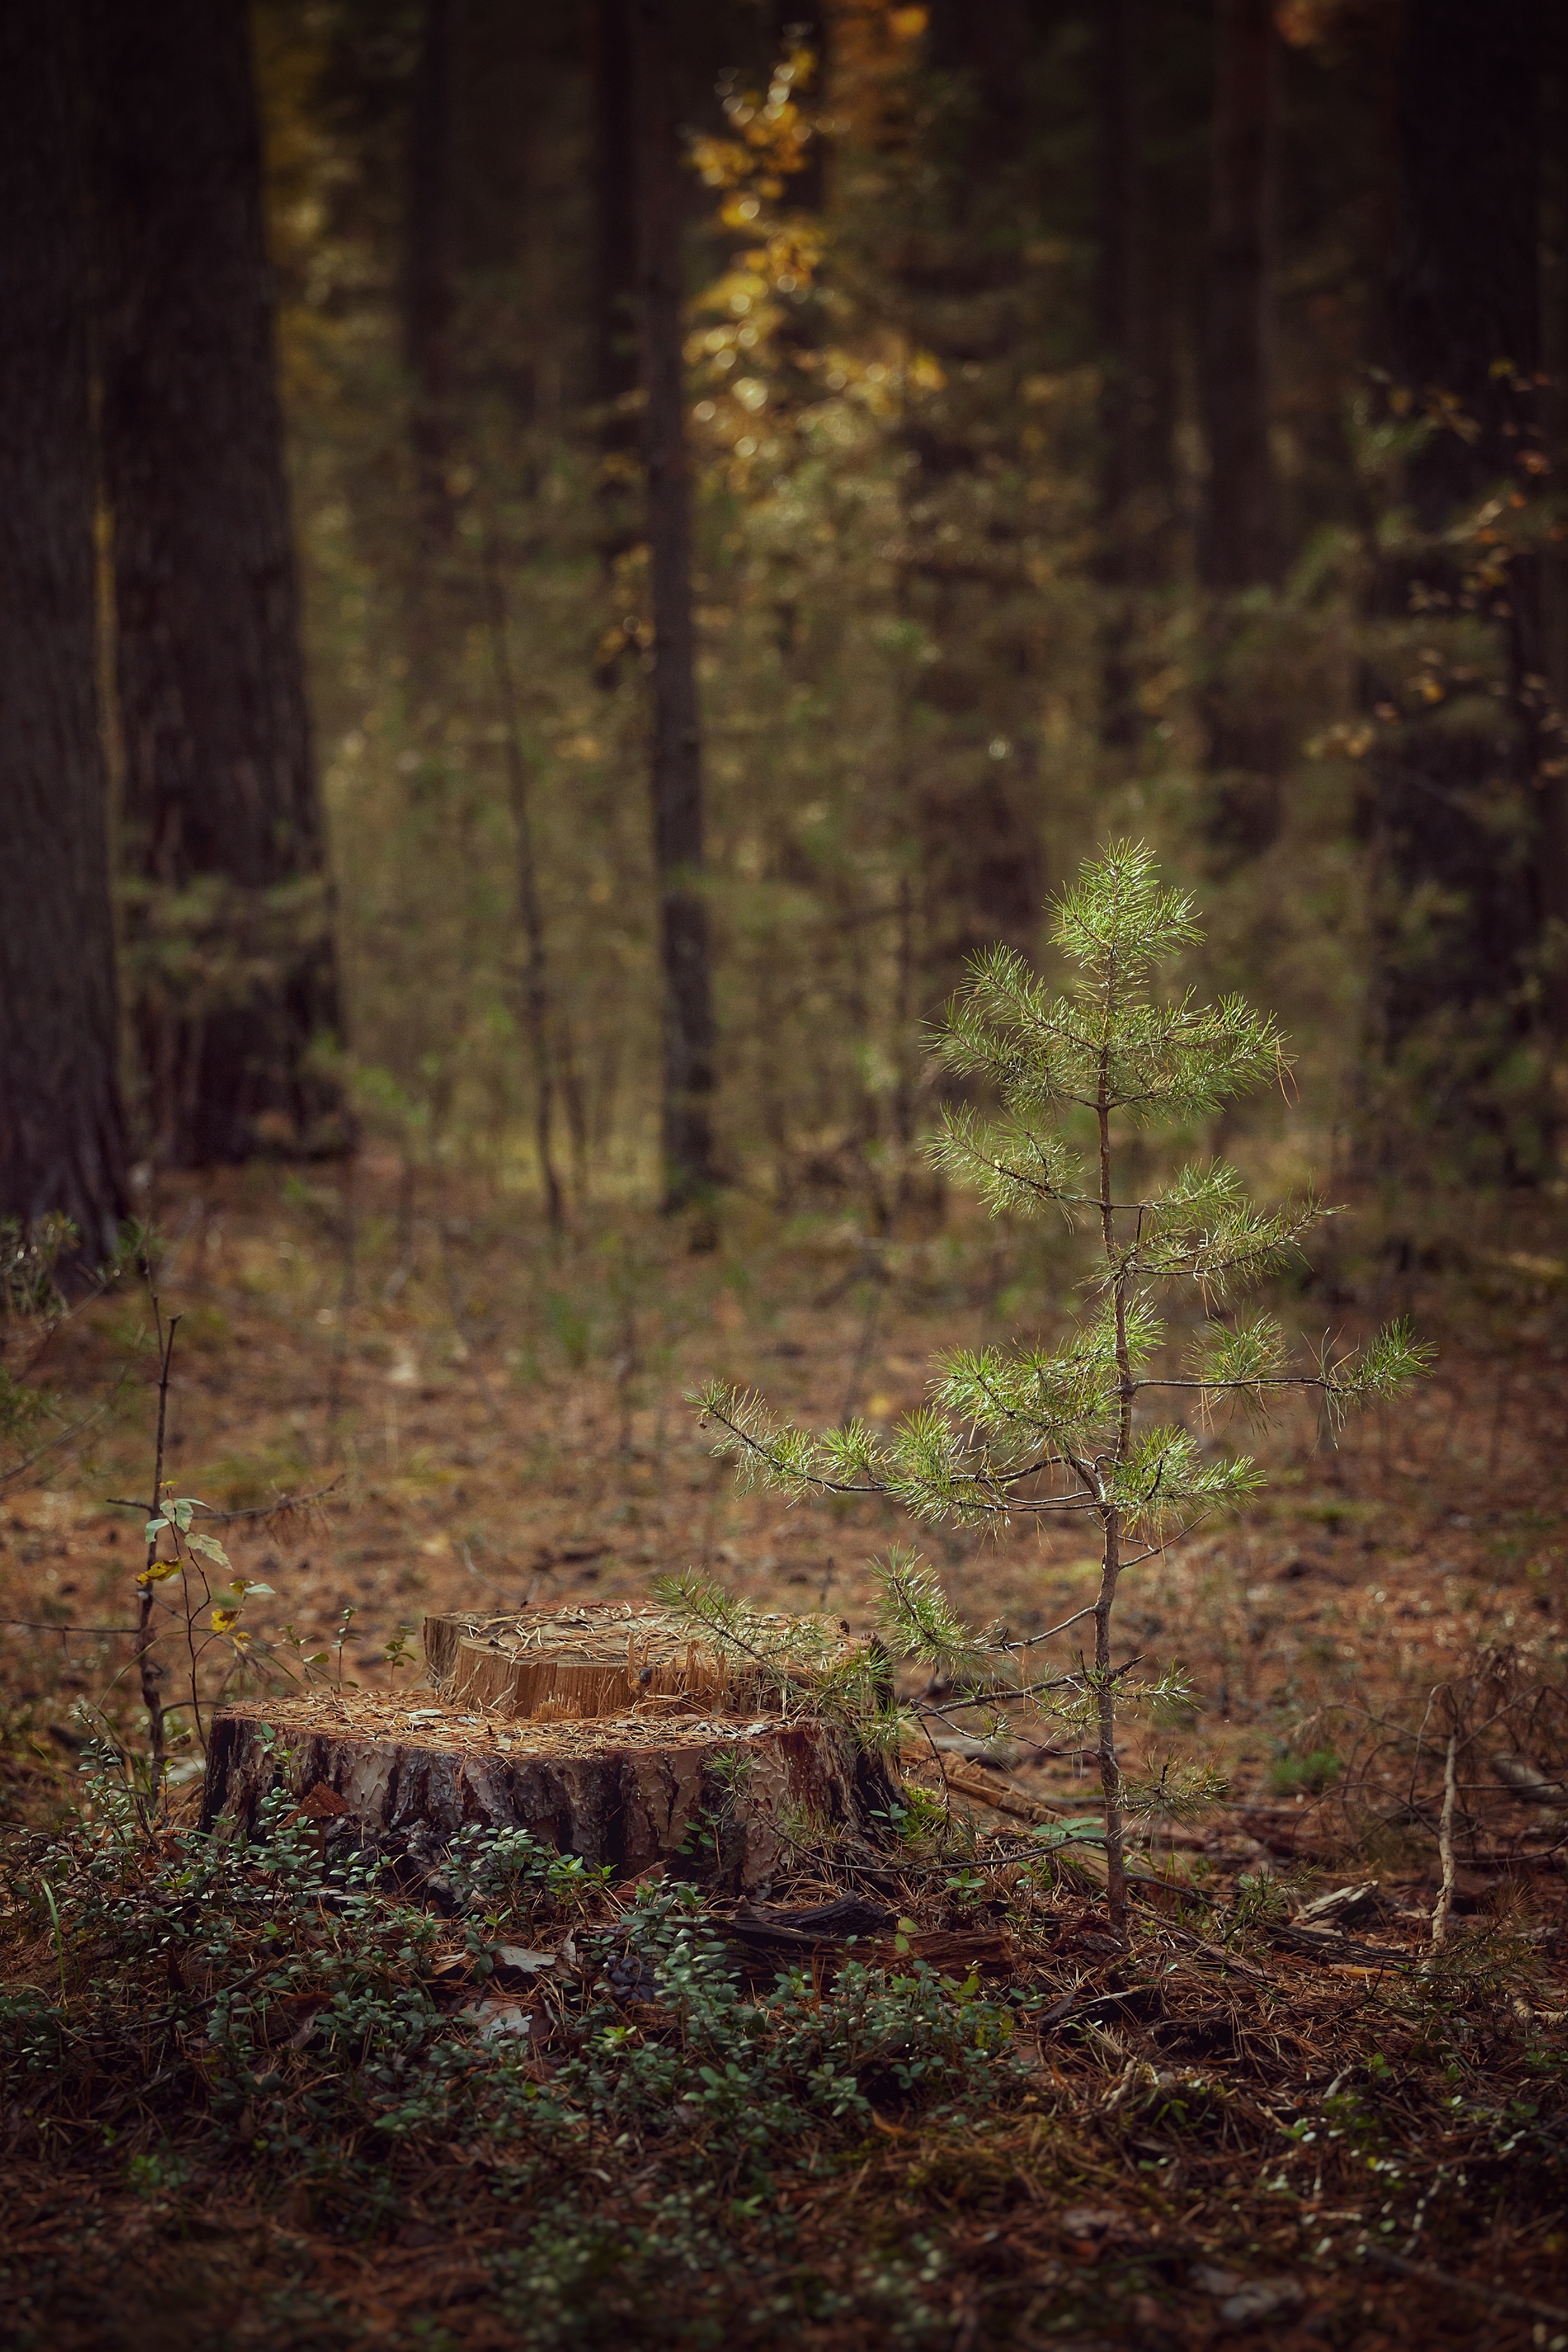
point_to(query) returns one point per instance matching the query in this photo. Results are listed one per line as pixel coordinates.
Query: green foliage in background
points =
(898, 612)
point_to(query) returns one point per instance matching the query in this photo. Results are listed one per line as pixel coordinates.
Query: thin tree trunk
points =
(62, 1131)
(1110, 1520)
(615, 220)
(1137, 307)
(1554, 557)
(616, 360)
(536, 1005)
(616, 357)
(1238, 539)
(222, 824)
(1445, 1903)
(1109, 1763)
(962, 286)
(144, 1645)
(1240, 524)
(430, 258)
(690, 1173)
(1121, 302)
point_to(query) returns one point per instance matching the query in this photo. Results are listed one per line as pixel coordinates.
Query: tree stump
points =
(605, 1732)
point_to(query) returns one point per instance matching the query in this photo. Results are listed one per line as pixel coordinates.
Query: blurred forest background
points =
(561, 567)
(568, 564)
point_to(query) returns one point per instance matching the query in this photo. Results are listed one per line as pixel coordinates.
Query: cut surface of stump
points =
(608, 1658)
(731, 1791)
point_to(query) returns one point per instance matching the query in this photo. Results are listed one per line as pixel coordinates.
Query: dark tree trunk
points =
(614, 206)
(62, 1134)
(1137, 304)
(616, 371)
(1554, 558)
(430, 264)
(222, 824)
(1123, 337)
(962, 283)
(987, 48)
(677, 745)
(534, 991)
(1459, 810)
(1238, 536)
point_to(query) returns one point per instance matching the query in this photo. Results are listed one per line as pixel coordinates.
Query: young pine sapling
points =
(1054, 1433)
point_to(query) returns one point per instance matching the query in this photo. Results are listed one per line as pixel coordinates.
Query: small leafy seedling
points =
(180, 1551)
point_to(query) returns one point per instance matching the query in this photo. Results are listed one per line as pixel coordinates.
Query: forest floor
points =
(1236, 2124)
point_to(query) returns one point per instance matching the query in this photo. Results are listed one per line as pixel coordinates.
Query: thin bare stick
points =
(1033, 1640)
(146, 1664)
(1446, 1843)
(61, 1437)
(191, 1644)
(1111, 1519)
(43, 1625)
(282, 1508)
(1024, 1690)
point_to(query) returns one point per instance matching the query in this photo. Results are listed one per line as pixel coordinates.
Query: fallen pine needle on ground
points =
(276, 2094)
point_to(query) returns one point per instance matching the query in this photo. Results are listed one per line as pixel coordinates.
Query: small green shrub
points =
(318, 2031)
(1292, 1775)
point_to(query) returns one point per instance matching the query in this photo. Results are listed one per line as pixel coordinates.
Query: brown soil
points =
(495, 1426)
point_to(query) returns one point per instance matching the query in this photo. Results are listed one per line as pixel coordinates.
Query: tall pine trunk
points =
(1137, 387)
(1238, 538)
(62, 1134)
(689, 1171)
(961, 284)
(615, 323)
(430, 263)
(233, 968)
(1554, 558)
(1239, 523)
(1460, 812)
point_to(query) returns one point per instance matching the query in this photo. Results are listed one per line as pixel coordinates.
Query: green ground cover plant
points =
(284, 2005)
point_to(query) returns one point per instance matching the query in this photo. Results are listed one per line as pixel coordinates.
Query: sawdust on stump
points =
(608, 1657)
(557, 1746)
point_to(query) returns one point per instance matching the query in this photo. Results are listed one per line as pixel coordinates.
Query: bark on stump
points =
(682, 1771)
